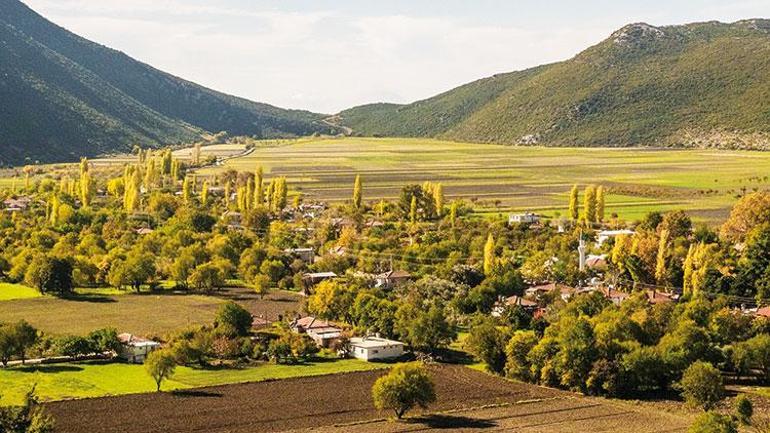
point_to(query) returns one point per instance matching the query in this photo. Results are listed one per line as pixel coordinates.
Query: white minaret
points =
(582, 252)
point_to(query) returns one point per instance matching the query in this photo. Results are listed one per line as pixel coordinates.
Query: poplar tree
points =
(489, 255)
(166, 162)
(186, 190)
(205, 192)
(589, 204)
(228, 192)
(660, 263)
(259, 187)
(413, 210)
(573, 203)
(600, 203)
(357, 193)
(453, 213)
(438, 198)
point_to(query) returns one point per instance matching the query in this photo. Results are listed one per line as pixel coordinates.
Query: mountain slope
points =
(63, 96)
(703, 84)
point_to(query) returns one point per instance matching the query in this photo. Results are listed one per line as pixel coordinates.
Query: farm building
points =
(392, 279)
(523, 218)
(605, 235)
(135, 349)
(615, 296)
(322, 332)
(16, 204)
(307, 255)
(513, 301)
(564, 290)
(314, 278)
(763, 312)
(375, 348)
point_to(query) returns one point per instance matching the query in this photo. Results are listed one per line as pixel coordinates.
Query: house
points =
(523, 218)
(313, 278)
(375, 348)
(597, 262)
(565, 291)
(322, 332)
(658, 297)
(615, 296)
(143, 231)
(307, 255)
(605, 235)
(392, 279)
(513, 301)
(135, 349)
(763, 312)
(338, 251)
(16, 204)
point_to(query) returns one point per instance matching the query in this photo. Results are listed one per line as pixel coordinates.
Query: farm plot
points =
(144, 314)
(471, 400)
(506, 178)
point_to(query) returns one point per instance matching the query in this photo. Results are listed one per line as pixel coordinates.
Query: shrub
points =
(711, 422)
(233, 320)
(406, 386)
(701, 385)
(744, 409)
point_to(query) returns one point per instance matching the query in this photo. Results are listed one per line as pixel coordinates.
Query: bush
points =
(75, 346)
(701, 385)
(744, 409)
(406, 386)
(711, 422)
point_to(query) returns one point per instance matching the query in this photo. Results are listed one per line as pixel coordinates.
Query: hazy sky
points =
(330, 55)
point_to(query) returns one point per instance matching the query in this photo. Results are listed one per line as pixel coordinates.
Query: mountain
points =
(62, 96)
(696, 85)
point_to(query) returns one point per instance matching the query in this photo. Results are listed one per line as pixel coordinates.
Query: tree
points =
(600, 203)
(487, 343)
(205, 192)
(489, 255)
(207, 277)
(50, 275)
(751, 211)
(518, 362)
(573, 203)
(701, 385)
(357, 192)
(438, 197)
(233, 320)
(453, 213)
(160, 365)
(589, 204)
(413, 210)
(259, 187)
(27, 418)
(403, 388)
(26, 336)
(186, 190)
(262, 284)
(8, 343)
(660, 263)
(424, 330)
(711, 422)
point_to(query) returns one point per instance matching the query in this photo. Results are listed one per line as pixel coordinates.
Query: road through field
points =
(470, 401)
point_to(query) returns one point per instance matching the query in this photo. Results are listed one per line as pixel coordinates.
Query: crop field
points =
(100, 379)
(16, 291)
(467, 401)
(505, 178)
(142, 314)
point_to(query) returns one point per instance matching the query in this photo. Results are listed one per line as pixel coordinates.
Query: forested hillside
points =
(64, 96)
(703, 84)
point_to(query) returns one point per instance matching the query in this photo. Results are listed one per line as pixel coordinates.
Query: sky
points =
(325, 56)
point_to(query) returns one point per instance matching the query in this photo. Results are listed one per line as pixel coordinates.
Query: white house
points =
(135, 349)
(307, 255)
(605, 235)
(322, 332)
(523, 218)
(375, 348)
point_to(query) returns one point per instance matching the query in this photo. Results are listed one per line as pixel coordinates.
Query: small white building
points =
(523, 218)
(307, 255)
(375, 348)
(135, 349)
(605, 235)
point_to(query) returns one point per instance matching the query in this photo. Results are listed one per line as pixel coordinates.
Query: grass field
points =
(146, 314)
(505, 178)
(98, 379)
(16, 291)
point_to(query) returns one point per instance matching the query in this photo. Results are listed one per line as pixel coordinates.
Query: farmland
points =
(143, 314)
(468, 400)
(503, 178)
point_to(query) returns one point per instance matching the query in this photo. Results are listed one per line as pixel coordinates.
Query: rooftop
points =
(373, 342)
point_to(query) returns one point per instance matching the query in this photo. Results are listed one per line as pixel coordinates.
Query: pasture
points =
(468, 401)
(140, 314)
(10, 291)
(508, 178)
(99, 379)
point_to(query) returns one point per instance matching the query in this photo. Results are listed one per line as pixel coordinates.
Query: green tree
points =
(744, 409)
(26, 336)
(233, 320)
(438, 197)
(259, 187)
(160, 365)
(518, 363)
(600, 202)
(424, 330)
(488, 343)
(702, 386)
(50, 275)
(413, 211)
(262, 285)
(711, 422)
(27, 418)
(357, 192)
(589, 204)
(207, 277)
(403, 388)
(661, 268)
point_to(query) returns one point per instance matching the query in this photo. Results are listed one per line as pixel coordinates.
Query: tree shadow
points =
(43, 368)
(195, 393)
(452, 422)
(94, 299)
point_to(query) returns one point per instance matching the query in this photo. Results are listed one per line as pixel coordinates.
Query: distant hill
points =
(698, 85)
(62, 96)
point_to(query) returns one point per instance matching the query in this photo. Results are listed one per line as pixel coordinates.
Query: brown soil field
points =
(468, 400)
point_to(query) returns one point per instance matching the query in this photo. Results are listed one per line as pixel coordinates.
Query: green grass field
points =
(98, 379)
(501, 179)
(17, 291)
